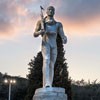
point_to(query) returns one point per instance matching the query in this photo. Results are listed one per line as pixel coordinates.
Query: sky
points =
(81, 24)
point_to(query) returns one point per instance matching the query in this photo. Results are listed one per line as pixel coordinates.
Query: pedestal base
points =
(50, 93)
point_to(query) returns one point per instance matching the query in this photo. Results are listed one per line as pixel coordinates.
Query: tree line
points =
(81, 90)
(18, 90)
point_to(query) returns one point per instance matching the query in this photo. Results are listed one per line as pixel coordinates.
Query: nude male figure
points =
(49, 45)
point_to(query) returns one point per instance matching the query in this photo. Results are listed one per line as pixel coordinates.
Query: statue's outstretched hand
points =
(64, 40)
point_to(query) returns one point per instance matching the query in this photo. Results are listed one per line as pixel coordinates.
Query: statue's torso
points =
(51, 35)
(52, 29)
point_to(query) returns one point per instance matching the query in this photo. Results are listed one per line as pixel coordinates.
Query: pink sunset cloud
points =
(78, 17)
(89, 27)
(14, 18)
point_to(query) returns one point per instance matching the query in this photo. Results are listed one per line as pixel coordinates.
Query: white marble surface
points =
(50, 89)
(50, 93)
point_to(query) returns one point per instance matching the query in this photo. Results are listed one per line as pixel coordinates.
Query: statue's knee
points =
(53, 60)
(46, 61)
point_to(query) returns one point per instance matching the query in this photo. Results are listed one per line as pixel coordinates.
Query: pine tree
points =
(35, 75)
(60, 72)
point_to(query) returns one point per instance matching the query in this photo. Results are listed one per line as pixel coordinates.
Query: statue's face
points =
(50, 11)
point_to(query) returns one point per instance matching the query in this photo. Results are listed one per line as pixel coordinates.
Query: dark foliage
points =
(35, 75)
(18, 90)
(86, 92)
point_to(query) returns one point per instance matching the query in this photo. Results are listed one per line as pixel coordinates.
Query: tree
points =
(35, 75)
(60, 72)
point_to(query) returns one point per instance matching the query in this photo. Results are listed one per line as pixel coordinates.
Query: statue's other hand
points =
(64, 40)
(42, 32)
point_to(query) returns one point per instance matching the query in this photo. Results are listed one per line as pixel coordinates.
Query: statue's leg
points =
(53, 56)
(46, 63)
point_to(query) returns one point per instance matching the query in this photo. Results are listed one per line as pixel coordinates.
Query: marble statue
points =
(48, 28)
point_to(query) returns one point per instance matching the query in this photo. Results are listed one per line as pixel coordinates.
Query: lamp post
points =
(10, 82)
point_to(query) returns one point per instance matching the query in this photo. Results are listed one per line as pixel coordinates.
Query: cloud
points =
(14, 18)
(20, 16)
(80, 17)
(79, 9)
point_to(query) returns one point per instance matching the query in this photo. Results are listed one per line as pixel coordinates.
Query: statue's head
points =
(50, 11)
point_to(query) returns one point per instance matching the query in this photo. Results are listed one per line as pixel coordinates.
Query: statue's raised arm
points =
(61, 33)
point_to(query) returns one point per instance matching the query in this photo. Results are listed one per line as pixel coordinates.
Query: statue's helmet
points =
(50, 10)
(51, 7)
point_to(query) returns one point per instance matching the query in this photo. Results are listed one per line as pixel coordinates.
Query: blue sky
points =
(81, 21)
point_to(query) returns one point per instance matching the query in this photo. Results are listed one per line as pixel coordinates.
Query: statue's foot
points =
(48, 85)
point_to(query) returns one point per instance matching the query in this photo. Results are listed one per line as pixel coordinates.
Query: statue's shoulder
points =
(59, 24)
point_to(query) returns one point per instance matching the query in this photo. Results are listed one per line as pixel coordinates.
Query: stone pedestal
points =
(50, 93)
